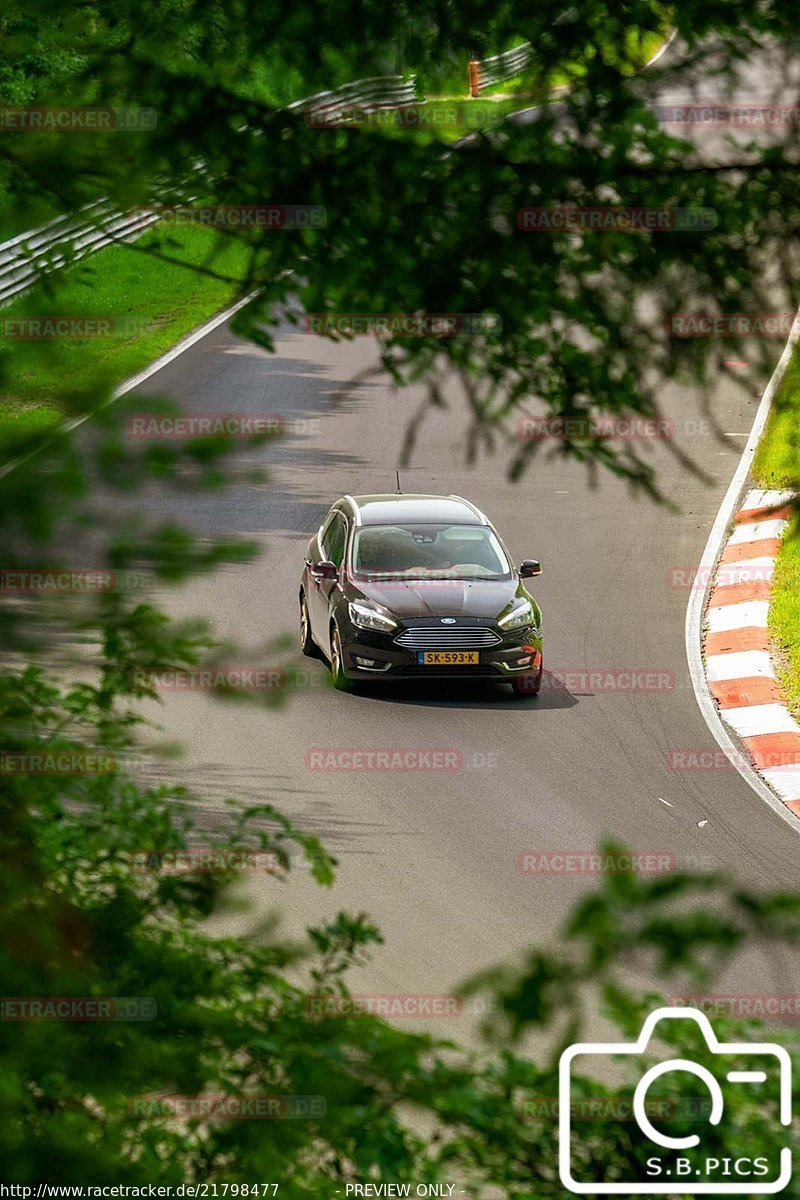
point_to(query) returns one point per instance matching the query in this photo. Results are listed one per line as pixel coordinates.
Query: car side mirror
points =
(325, 570)
(529, 567)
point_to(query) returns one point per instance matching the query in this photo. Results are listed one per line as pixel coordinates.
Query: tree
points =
(413, 226)
(79, 919)
(158, 1098)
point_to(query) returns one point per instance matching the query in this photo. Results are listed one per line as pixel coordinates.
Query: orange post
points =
(474, 79)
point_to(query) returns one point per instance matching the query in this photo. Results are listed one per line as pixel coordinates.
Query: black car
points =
(400, 587)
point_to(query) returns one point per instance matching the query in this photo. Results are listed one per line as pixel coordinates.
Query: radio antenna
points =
(398, 492)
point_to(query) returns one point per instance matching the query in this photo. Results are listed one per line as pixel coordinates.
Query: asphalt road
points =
(433, 856)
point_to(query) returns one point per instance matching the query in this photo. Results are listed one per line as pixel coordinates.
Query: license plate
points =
(447, 658)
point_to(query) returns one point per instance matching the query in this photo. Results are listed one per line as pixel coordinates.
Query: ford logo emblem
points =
(448, 620)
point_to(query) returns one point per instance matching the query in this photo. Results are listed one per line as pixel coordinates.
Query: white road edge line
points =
(661, 50)
(564, 87)
(196, 336)
(697, 600)
(185, 343)
(696, 606)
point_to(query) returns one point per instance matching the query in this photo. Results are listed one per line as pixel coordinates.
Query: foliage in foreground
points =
(90, 1102)
(776, 465)
(413, 225)
(233, 1017)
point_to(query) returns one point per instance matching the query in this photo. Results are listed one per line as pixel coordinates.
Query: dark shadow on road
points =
(475, 694)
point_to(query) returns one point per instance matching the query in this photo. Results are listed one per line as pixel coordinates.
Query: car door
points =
(334, 548)
(322, 592)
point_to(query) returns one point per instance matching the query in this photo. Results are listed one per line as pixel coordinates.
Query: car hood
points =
(484, 598)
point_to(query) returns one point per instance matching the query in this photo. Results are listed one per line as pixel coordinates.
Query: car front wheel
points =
(528, 685)
(307, 643)
(340, 680)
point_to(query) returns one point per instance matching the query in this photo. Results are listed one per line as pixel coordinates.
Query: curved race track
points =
(433, 856)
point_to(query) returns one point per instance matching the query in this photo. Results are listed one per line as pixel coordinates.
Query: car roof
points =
(387, 508)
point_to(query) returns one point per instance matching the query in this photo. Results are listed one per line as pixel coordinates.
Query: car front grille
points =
(431, 637)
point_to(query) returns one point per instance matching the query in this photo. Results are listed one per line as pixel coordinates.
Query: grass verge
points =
(494, 103)
(141, 305)
(777, 465)
(148, 304)
(638, 50)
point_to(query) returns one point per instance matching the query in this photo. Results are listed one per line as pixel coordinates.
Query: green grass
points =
(784, 615)
(639, 49)
(16, 217)
(452, 118)
(489, 109)
(777, 465)
(777, 460)
(43, 380)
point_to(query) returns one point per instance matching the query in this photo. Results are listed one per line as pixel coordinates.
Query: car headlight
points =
(369, 616)
(519, 616)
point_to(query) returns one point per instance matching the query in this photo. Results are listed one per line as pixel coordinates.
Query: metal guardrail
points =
(64, 240)
(349, 102)
(25, 258)
(485, 72)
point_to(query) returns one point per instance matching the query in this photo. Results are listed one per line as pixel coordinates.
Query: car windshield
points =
(429, 552)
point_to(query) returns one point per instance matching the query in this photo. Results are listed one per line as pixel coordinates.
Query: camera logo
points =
(680, 1164)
